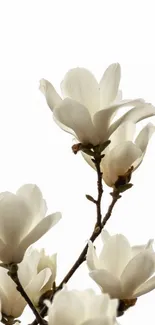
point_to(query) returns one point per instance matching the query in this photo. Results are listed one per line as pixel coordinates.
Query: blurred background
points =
(44, 39)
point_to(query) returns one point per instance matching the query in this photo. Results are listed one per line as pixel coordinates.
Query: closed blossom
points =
(124, 153)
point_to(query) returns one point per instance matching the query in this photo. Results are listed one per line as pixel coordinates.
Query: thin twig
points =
(13, 273)
(97, 162)
(82, 257)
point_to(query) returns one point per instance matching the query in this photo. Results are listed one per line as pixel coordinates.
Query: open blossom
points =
(81, 308)
(31, 279)
(22, 221)
(123, 153)
(87, 108)
(122, 271)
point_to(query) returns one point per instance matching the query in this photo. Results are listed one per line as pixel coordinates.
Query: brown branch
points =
(82, 257)
(13, 273)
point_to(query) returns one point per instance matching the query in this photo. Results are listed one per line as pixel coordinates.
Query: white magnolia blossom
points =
(22, 221)
(120, 270)
(123, 152)
(81, 308)
(32, 280)
(88, 108)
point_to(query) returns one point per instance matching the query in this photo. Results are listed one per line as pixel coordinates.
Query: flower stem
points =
(13, 273)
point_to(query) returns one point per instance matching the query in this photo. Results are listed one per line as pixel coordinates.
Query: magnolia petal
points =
(139, 112)
(142, 141)
(125, 132)
(80, 85)
(34, 287)
(108, 282)
(76, 116)
(118, 97)
(109, 84)
(36, 233)
(144, 136)
(28, 268)
(105, 236)
(59, 313)
(145, 288)
(115, 254)
(119, 160)
(103, 118)
(15, 218)
(52, 97)
(91, 257)
(99, 321)
(33, 197)
(139, 248)
(138, 270)
(18, 306)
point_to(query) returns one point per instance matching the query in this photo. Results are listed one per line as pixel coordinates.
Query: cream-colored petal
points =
(80, 85)
(102, 119)
(145, 288)
(108, 282)
(91, 257)
(66, 309)
(35, 286)
(115, 255)
(34, 198)
(15, 218)
(140, 111)
(118, 161)
(142, 141)
(138, 270)
(125, 132)
(36, 233)
(139, 248)
(77, 117)
(105, 236)
(109, 84)
(52, 97)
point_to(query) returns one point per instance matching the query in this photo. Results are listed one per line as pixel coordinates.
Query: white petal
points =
(33, 289)
(36, 233)
(142, 140)
(136, 114)
(118, 161)
(66, 309)
(104, 320)
(52, 97)
(76, 116)
(138, 270)
(80, 84)
(105, 236)
(15, 218)
(109, 84)
(139, 248)
(145, 288)
(103, 118)
(125, 132)
(108, 282)
(91, 257)
(33, 197)
(27, 269)
(115, 254)
(17, 307)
